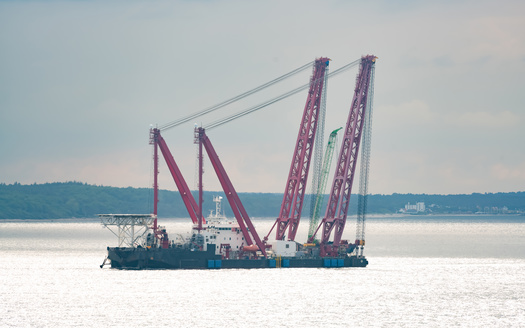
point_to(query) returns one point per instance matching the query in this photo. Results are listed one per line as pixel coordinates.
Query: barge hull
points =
(178, 258)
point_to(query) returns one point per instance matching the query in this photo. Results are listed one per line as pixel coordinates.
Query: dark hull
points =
(177, 258)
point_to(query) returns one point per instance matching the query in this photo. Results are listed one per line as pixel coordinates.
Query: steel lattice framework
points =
(337, 209)
(295, 188)
(319, 196)
(362, 197)
(291, 206)
(317, 169)
(130, 228)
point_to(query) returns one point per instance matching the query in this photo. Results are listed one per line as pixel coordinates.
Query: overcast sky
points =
(81, 82)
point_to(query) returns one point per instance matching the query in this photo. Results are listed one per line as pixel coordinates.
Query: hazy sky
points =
(81, 82)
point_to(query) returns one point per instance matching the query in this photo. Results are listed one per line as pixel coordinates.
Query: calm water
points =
(423, 272)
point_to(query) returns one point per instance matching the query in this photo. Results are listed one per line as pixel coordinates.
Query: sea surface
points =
(424, 271)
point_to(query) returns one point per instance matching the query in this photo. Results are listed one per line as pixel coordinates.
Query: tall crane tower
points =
(291, 206)
(362, 196)
(339, 201)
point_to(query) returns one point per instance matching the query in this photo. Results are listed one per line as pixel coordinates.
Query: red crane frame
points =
(240, 213)
(185, 192)
(292, 204)
(194, 209)
(337, 209)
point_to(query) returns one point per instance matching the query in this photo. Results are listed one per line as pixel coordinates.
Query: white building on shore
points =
(419, 207)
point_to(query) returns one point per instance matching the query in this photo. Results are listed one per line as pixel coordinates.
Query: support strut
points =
(247, 228)
(190, 203)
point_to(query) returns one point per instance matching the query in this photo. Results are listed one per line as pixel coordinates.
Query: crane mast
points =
(337, 209)
(318, 156)
(318, 202)
(291, 206)
(362, 197)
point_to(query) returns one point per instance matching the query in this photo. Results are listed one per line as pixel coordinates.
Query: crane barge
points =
(217, 242)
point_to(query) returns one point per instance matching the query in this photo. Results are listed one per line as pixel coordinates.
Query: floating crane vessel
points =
(217, 242)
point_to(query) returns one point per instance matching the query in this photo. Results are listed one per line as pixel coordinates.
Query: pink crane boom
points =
(291, 206)
(240, 213)
(290, 212)
(194, 211)
(337, 209)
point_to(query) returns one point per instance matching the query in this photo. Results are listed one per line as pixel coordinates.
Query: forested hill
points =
(80, 200)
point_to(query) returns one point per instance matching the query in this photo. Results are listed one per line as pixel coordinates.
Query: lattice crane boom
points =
(325, 170)
(317, 160)
(291, 206)
(337, 209)
(362, 197)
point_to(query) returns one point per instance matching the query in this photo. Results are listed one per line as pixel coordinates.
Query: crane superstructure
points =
(323, 179)
(339, 199)
(195, 209)
(304, 145)
(196, 253)
(290, 212)
(292, 203)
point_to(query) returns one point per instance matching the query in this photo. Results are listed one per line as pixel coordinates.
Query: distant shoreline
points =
(78, 200)
(304, 220)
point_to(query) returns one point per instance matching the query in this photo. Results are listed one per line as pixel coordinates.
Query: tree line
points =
(80, 200)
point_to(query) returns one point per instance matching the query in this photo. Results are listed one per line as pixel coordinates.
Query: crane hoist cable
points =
(234, 99)
(276, 99)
